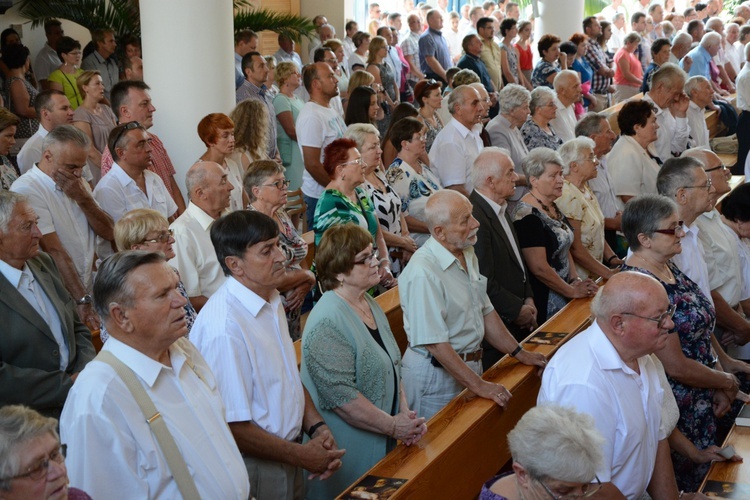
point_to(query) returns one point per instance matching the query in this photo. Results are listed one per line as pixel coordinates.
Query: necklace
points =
(664, 273)
(557, 215)
(366, 313)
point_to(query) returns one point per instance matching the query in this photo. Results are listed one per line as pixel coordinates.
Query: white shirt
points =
(634, 173)
(565, 121)
(234, 176)
(617, 40)
(603, 191)
(721, 255)
(696, 118)
(112, 452)
(454, 42)
(195, 257)
(692, 261)
(317, 127)
(589, 375)
(735, 54)
(673, 132)
(349, 47)
(60, 214)
(31, 153)
(118, 194)
(245, 340)
(743, 88)
(281, 55)
(453, 153)
(46, 62)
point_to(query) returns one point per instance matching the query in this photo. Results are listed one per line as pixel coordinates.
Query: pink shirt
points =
(635, 68)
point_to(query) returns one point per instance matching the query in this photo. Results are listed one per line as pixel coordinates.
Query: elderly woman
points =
(363, 107)
(21, 94)
(216, 130)
(410, 178)
(580, 206)
(358, 58)
(266, 187)
(64, 78)
(344, 200)
(536, 130)
(94, 118)
(287, 107)
(650, 224)
(504, 129)
(545, 236)
(628, 70)
(551, 63)
(146, 229)
(8, 126)
(541, 460)
(635, 169)
(429, 99)
(385, 200)
(509, 55)
(250, 132)
(32, 460)
(351, 362)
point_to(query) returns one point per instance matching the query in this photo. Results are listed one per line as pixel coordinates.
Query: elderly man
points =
(472, 46)
(286, 52)
(678, 53)
(497, 247)
(242, 333)
(605, 371)
(567, 85)
(701, 55)
(446, 329)
(209, 191)
(245, 41)
(318, 125)
(149, 387)
(69, 217)
(458, 144)
(53, 110)
(131, 102)
(130, 184)
(434, 56)
(325, 32)
(102, 59)
(699, 91)
(671, 111)
(44, 345)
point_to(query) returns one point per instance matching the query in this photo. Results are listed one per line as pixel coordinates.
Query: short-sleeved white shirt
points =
(317, 126)
(722, 257)
(692, 260)
(195, 257)
(453, 153)
(118, 194)
(589, 375)
(634, 173)
(60, 214)
(565, 121)
(245, 340)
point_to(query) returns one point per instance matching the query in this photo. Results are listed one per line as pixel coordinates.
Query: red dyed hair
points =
(209, 126)
(337, 153)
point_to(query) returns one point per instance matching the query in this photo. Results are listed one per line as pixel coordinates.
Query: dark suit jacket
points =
(29, 355)
(507, 284)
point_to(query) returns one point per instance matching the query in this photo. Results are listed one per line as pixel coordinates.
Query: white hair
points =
(573, 150)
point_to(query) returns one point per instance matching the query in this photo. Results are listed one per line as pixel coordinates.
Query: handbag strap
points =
(172, 454)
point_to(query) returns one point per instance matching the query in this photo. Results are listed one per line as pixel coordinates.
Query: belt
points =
(466, 356)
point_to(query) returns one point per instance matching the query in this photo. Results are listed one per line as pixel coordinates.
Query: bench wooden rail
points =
(733, 472)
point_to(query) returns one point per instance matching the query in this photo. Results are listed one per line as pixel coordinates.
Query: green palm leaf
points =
(294, 27)
(122, 16)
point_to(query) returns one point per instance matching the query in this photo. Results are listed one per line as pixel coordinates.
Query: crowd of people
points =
(432, 155)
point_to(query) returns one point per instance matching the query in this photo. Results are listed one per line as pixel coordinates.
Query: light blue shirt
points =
(238, 76)
(701, 59)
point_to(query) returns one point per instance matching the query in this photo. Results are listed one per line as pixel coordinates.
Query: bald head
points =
(199, 173)
(440, 207)
(625, 292)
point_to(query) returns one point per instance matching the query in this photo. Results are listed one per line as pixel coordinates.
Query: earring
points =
(343, 177)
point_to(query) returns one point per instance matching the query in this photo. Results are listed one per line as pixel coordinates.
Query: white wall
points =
(35, 39)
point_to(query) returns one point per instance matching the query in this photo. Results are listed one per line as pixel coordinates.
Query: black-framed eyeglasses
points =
(162, 238)
(281, 185)
(125, 128)
(39, 469)
(374, 255)
(722, 167)
(706, 186)
(588, 490)
(659, 319)
(672, 231)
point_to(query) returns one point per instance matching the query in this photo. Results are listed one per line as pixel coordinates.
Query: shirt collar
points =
(199, 215)
(146, 368)
(249, 299)
(444, 258)
(440, 33)
(496, 207)
(462, 129)
(648, 98)
(120, 174)
(43, 177)
(606, 354)
(12, 274)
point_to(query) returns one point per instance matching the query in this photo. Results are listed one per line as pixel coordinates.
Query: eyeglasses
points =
(359, 161)
(672, 231)
(660, 319)
(280, 184)
(587, 491)
(722, 166)
(422, 138)
(39, 469)
(330, 61)
(593, 158)
(706, 186)
(125, 128)
(162, 238)
(368, 258)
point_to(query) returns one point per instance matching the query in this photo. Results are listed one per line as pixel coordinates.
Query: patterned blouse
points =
(582, 206)
(7, 174)
(535, 137)
(512, 56)
(387, 205)
(334, 208)
(432, 130)
(542, 71)
(414, 189)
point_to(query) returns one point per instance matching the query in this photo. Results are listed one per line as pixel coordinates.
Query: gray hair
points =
(632, 37)
(8, 202)
(702, 154)
(571, 450)
(623, 293)
(19, 425)
(513, 96)
(714, 23)
(643, 214)
(590, 124)
(487, 164)
(747, 52)
(668, 74)
(682, 38)
(196, 176)
(573, 150)
(111, 282)
(617, 16)
(63, 135)
(693, 83)
(676, 173)
(564, 78)
(536, 161)
(710, 39)
(541, 96)
(358, 132)
(438, 209)
(457, 97)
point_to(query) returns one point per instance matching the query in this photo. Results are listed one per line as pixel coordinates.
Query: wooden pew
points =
(733, 472)
(466, 441)
(613, 111)
(309, 238)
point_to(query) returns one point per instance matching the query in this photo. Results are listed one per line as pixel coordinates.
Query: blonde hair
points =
(84, 79)
(250, 119)
(7, 119)
(376, 44)
(360, 78)
(334, 44)
(284, 70)
(132, 229)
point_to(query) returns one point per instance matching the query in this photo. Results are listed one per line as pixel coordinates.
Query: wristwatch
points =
(85, 300)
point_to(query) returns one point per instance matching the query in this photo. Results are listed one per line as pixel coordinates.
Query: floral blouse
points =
(582, 206)
(414, 189)
(535, 137)
(8, 174)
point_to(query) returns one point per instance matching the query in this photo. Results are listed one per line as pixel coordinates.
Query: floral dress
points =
(535, 137)
(432, 130)
(537, 229)
(8, 174)
(694, 320)
(542, 71)
(387, 205)
(414, 189)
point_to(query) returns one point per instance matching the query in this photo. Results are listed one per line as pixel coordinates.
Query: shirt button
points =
(55, 352)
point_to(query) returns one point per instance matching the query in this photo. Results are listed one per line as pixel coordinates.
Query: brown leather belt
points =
(471, 356)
